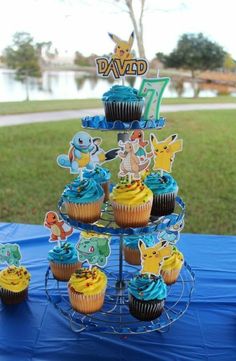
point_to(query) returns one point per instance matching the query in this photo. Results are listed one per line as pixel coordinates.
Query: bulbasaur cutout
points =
(10, 253)
(94, 250)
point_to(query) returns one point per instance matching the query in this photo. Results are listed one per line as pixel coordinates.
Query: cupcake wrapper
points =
(145, 310)
(132, 256)
(124, 111)
(86, 304)
(87, 212)
(12, 298)
(128, 216)
(170, 277)
(163, 204)
(62, 272)
(106, 188)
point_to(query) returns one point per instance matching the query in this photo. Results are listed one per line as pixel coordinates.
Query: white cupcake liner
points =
(132, 216)
(86, 303)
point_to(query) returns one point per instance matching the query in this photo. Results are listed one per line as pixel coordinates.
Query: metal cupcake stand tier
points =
(114, 317)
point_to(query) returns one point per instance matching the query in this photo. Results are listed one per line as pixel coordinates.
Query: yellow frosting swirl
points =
(14, 279)
(175, 261)
(133, 194)
(88, 282)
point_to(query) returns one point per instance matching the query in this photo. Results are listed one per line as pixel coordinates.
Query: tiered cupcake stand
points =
(114, 317)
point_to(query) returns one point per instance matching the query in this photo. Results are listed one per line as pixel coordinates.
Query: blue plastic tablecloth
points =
(34, 330)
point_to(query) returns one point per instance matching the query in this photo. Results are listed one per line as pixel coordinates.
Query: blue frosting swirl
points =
(85, 191)
(161, 185)
(99, 174)
(144, 288)
(66, 254)
(132, 241)
(120, 93)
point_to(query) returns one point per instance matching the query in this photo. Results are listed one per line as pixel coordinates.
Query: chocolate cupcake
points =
(14, 283)
(147, 295)
(122, 103)
(164, 190)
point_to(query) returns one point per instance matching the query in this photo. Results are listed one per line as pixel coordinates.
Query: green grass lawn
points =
(31, 182)
(72, 104)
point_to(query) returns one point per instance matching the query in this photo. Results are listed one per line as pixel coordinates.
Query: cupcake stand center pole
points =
(120, 284)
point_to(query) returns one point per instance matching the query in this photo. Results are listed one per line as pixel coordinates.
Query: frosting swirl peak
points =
(82, 191)
(66, 254)
(14, 279)
(120, 93)
(88, 282)
(133, 194)
(161, 185)
(147, 288)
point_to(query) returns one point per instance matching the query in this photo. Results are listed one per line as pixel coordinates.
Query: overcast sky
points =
(83, 24)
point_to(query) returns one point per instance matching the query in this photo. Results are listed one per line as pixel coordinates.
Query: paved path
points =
(16, 119)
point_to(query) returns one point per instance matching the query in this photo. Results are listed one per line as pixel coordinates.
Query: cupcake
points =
(131, 250)
(171, 267)
(122, 103)
(14, 283)
(164, 190)
(86, 289)
(131, 204)
(63, 261)
(102, 176)
(146, 297)
(83, 200)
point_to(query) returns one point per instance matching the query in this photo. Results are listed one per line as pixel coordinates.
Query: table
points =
(35, 331)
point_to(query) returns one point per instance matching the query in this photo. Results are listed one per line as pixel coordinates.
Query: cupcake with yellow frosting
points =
(171, 267)
(132, 204)
(14, 283)
(86, 289)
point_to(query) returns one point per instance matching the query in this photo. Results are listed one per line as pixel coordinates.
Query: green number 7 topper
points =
(152, 89)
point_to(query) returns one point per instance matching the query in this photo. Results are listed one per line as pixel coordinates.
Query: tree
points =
(136, 13)
(137, 23)
(229, 63)
(23, 57)
(195, 52)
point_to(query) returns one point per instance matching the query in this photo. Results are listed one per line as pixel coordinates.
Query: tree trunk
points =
(194, 84)
(27, 87)
(138, 25)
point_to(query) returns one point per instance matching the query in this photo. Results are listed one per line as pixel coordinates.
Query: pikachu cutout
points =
(164, 151)
(153, 257)
(123, 48)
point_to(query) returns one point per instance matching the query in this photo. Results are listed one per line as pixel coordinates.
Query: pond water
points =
(74, 84)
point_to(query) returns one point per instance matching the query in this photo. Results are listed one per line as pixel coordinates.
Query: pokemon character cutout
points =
(153, 257)
(164, 151)
(58, 231)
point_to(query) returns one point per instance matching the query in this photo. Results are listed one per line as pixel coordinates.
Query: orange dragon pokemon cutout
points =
(58, 232)
(164, 151)
(153, 257)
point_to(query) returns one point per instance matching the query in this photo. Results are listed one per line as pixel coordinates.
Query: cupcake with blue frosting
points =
(101, 176)
(131, 249)
(63, 261)
(147, 295)
(83, 200)
(164, 189)
(122, 103)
